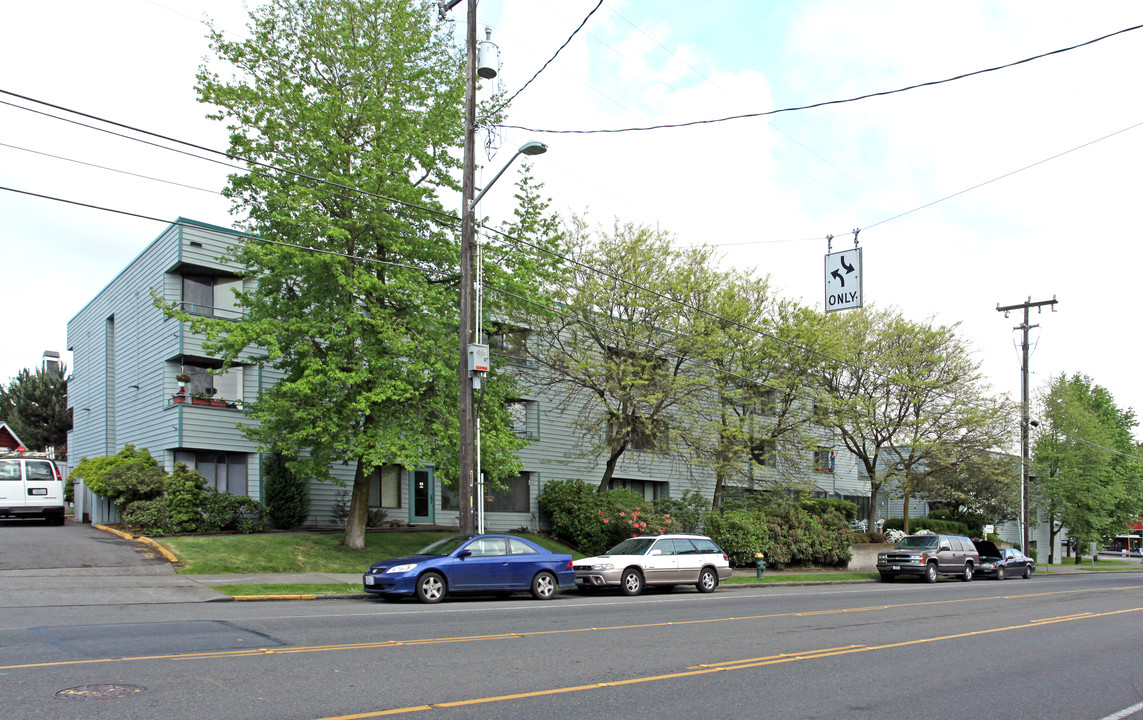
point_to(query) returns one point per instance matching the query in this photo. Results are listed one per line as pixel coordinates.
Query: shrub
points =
(287, 496)
(377, 516)
(339, 511)
(134, 480)
(224, 512)
(937, 526)
(92, 470)
(186, 492)
(572, 507)
(869, 537)
(685, 513)
(783, 532)
(151, 517)
(821, 506)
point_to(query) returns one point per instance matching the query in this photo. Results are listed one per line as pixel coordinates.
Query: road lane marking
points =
(740, 665)
(384, 644)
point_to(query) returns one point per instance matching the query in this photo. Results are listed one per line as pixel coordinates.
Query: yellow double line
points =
(725, 666)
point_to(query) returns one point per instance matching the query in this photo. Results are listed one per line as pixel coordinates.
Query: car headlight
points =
(603, 566)
(882, 557)
(400, 568)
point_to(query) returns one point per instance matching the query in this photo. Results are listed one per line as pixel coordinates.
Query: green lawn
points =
(802, 577)
(294, 552)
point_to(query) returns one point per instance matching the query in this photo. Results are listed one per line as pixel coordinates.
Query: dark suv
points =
(929, 556)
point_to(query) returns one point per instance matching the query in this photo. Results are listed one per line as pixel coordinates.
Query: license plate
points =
(368, 579)
(37, 491)
(896, 567)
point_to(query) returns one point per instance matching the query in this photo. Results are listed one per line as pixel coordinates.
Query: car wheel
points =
(999, 573)
(887, 577)
(431, 588)
(544, 586)
(966, 576)
(1027, 572)
(931, 573)
(708, 581)
(632, 582)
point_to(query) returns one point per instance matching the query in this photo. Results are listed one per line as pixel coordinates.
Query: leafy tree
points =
(356, 300)
(757, 433)
(34, 404)
(1089, 472)
(985, 485)
(617, 352)
(901, 396)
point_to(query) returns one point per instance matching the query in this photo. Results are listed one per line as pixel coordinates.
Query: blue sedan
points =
(499, 564)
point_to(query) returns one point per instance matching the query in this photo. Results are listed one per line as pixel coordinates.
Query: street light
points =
(468, 462)
(532, 147)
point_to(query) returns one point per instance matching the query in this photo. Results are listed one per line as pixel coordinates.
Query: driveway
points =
(76, 564)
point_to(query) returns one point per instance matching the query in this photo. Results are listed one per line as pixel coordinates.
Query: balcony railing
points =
(203, 402)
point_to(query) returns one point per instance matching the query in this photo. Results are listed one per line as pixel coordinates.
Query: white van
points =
(31, 486)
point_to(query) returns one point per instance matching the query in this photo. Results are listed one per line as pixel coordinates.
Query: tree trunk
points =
(358, 510)
(609, 470)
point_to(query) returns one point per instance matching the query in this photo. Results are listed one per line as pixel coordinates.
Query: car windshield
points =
(920, 541)
(445, 546)
(632, 546)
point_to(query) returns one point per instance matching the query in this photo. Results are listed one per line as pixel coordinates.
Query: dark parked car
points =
(929, 556)
(1000, 562)
(497, 564)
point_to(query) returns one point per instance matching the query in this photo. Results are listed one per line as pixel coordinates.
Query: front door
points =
(421, 491)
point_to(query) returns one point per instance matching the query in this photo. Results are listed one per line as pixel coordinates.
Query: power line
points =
(110, 169)
(504, 104)
(825, 103)
(1001, 177)
(250, 161)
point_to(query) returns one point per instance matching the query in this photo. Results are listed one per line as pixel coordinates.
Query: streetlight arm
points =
(530, 148)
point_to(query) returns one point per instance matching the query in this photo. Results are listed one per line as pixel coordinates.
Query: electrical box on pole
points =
(478, 358)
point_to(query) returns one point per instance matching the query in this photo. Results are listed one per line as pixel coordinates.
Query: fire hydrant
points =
(760, 564)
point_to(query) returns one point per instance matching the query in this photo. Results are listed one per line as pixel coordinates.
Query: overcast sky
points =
(767, 190)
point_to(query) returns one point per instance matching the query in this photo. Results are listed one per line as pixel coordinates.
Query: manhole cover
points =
(99, 692)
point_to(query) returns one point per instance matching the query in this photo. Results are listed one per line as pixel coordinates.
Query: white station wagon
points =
(661, 561)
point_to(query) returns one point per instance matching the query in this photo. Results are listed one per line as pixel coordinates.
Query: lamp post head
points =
(533, 147)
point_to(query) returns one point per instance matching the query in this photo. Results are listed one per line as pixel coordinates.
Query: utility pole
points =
(1025, 463)
(467, 449)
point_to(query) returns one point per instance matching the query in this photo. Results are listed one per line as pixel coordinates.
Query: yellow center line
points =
(721, 667)
(385, 644)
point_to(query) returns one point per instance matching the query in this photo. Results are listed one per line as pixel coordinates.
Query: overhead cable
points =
(825, 103)
(504, 104)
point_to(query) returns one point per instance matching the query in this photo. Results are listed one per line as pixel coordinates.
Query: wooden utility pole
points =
(1025, 463)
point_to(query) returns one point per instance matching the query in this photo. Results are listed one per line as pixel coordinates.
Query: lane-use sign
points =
(843, 280)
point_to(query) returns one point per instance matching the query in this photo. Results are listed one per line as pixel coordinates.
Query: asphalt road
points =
(77, 565)
(1064, 646)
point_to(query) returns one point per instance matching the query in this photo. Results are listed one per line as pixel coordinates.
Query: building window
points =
(524, 418)
(225, 472)
(765, 453)
(823, 460)
(515, 496)
(643, 434)
(509, 343)
(211, 295)
(385, 487)
(225, 386)
(649, 489)
(768, 401)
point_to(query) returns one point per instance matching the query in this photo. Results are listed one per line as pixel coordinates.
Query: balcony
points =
(180, 400)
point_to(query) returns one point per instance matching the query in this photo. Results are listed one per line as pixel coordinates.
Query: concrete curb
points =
(167, 555)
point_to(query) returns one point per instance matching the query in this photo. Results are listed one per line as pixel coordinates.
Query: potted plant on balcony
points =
(200, 398)
(182, 379)
(179, 397)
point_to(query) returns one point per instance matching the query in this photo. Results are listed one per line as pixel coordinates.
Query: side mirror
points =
(463, 554)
